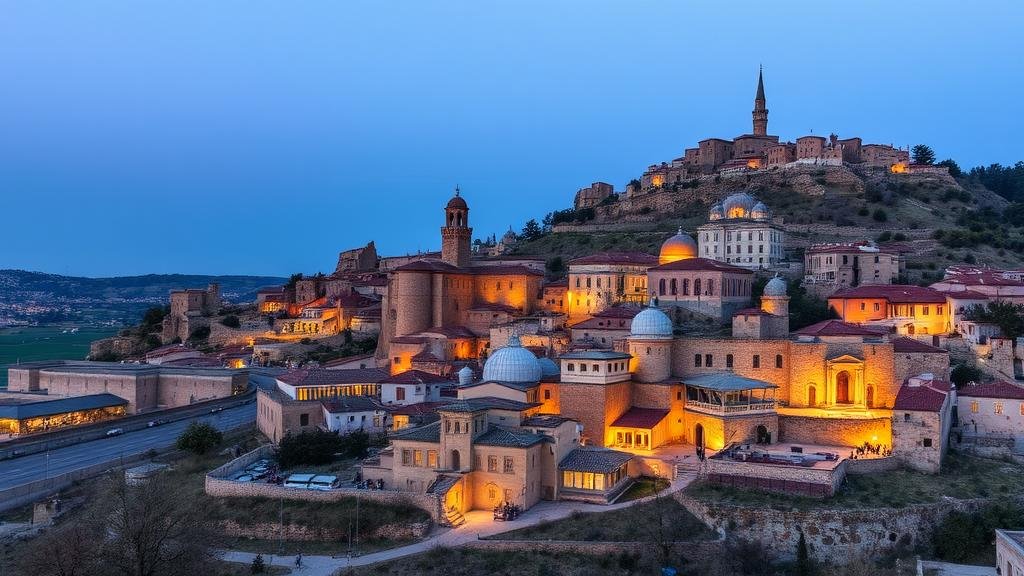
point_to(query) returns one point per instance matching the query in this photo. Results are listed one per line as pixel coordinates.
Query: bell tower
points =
(456, 233)
(760, 112)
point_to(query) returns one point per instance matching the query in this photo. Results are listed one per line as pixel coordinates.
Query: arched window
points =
(661, 287)
(686, 286)
(778, 360)
(696, 287)
(672, 287)
(711, 287)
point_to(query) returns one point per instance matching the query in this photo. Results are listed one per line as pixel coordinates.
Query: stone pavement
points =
(947, 569)
(479, 524)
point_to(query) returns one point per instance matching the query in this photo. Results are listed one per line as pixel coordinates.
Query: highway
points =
(39, 466)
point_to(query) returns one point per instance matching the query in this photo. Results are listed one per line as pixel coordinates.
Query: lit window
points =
(492, 463)
(509, 465)
(997, 407)
(974, 407)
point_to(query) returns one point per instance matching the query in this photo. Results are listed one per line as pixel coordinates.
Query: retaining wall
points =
(872, 465)
(685, 549)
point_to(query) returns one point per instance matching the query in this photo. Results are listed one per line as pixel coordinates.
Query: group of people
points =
(506, 511)
(869, 449)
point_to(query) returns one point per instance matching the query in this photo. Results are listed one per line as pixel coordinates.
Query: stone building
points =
(191, 309)
(994, 410)
(357, 259)
(835, 266)
(593, 195)
(921, 421)
(740, 231)
(700, 286)
(606, 279)
(909, 310)
(1009, 553)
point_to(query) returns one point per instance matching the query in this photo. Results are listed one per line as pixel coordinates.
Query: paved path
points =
(947, 569)
(479, 524)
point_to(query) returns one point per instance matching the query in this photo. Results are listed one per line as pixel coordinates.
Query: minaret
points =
(456, 233)
(760, 111)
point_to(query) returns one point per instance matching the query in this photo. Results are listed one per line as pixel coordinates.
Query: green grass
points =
(643, 487)
(962, 477)
(632, 524)
(470, 562)
(29, 344)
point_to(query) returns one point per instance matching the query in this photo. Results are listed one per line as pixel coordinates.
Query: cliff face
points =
(814, 203)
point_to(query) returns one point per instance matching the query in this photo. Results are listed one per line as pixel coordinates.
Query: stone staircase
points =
(688, 470)
(454, 518)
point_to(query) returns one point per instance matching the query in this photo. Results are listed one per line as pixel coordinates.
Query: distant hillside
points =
(46, 298)
(938, 219)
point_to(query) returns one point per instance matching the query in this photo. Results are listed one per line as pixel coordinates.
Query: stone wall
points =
(816, 482)
(684, 549)
(872, 465)
(835, 431)
(298, 532)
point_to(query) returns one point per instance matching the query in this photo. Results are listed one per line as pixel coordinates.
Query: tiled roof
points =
(430, 266)
(545, 421)
(408, 340)
(51, 406)
(850, 248)
(519, 386)
(323, 376)
(966, 294)
(590, 459)
(726, 382)
(415, 377)
(1000, 389)
(487, 402)
(836, 328)
(449, 332)
(417, 409)
(425, 356)
(342, 404)
(426, 433)
(508, 437)
(893, 293)
(701, 264)
(346, 360)
(910, 345)
(505, 270)
(626, 258)
(923, 398)
(645, 418)
(443, 484)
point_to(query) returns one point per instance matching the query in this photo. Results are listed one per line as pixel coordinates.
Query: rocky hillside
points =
(939, 220)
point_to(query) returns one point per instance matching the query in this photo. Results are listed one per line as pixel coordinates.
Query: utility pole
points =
(357, 520)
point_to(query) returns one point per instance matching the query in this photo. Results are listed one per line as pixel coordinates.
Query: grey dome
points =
(548, 367)
(716, 212)
(738, 205)
(513, 363)
(465, 375)
(760, 212)
(775, 287)
(651, 323)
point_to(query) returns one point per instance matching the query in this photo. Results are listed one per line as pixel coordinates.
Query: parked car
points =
(323, 482)
(298, 480)
(115, 431)
(244, 477)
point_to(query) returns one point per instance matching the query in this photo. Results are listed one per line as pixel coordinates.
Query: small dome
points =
(679, 247)
(513, 363)
(548, 367)
(465, 376)
(457, 202)
(775, 287)
(716, 212)
(651, 322)
(738, 205)
(760, 212)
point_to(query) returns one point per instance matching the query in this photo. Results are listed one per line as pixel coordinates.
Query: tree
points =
(155, 315)
(199, 438)
(954, 168)
(231, 321)
(556, 266)
(201, 333)
(1009, 317)
(963, 374)
(923, 154)
(309, 447)
(356, 443)
(879, 215)
(532, 230)
(803, 561)
(293, 279)
(67, 550)
(258, 566)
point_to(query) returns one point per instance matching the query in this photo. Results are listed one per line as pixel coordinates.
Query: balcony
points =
(732, 408)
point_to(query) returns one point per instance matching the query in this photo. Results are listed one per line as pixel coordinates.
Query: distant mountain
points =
(47, 298)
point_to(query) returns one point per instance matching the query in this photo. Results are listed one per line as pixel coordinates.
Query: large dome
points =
(651, 323)
(679, 247)
(513, 363)
(716, 212)
(739, 205)
(548, 367)
(775, 287)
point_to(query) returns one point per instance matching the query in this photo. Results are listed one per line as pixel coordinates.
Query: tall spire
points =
(760, 112)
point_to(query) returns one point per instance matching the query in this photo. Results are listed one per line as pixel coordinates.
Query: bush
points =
(231, 321)
(899, 236)
(258, 566)
(962, 536)
(199, 438)
(201, 333)
(884, 236)
(863, 211)
(155, 315)
(963, 373)
(310, 447)
(879, 215)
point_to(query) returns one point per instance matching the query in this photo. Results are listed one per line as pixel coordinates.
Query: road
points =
(30, 468)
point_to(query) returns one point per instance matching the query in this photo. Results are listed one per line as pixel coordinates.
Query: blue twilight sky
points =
(262, 137)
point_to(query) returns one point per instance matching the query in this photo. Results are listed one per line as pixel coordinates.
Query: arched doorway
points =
(763, 435)
(869, 396)
(698, 435)
(812, 396)
(843, 387)
(493, 494)
(454, 460)
(910, 329)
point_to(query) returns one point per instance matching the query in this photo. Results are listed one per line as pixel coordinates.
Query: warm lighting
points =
(754, 163)
(737, 212)
(657, 180)
(899, 168)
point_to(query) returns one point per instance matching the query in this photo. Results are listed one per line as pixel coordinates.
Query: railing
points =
(753, 406)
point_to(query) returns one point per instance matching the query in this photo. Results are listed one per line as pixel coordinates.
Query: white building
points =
(740, 231)
(346, 414)
(413, 387)
(994, 409)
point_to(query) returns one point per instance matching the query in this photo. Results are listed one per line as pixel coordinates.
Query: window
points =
(596, 367)
(406, 457)
(661, 287)
(778, 360)
(728, 360)
(509, 467)
(417, 458)
(400, 393)
(974, 407)
(906, 417)
(757, 361)
(924, 310)
(492, 463)
(432, 458)
(547, 394)
(708, 360)
(303, 419)
(696, 360)
(570, 367)
(938, 310)
(396, 360)
(997, 407)
(927, 442)
(876, 307)
(583, 367)
(863, 305)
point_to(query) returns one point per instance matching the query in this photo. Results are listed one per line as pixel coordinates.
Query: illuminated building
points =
(25, 413)
(739, 231)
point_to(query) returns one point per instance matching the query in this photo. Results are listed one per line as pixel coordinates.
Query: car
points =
(298, 480)
(217, 409)
(243, 477)
(115, 431)
(323, 482)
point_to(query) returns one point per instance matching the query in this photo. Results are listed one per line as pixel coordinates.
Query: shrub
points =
(201, 333)
(312, 447)
(863, 211)
(963, 373)
(199, 438)
(231, 321)
(884, 236)
(899, 236)
(258, 565)
(879, 215)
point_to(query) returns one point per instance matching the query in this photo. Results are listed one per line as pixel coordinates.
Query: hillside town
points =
(735, 370)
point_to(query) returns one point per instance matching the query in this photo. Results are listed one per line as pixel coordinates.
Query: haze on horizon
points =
(258, 138)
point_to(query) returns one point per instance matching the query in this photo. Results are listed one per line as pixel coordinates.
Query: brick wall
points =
(835, 431)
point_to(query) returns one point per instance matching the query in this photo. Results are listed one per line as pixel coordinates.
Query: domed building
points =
(679, 247)
(740, 231)
(513, 364)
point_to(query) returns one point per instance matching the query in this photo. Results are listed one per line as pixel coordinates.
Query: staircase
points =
(688, 470)
(454, 518)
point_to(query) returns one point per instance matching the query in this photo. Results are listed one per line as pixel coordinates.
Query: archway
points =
(812, 396)
(494, 494)
(455, 457)
(910, 329)
(869, 396)
(763, 435)
(843, 387)
(698, 435)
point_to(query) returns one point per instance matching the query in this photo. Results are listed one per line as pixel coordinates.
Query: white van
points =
(323, 482)
(298, 481)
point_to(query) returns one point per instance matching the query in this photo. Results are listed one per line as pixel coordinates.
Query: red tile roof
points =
(910, 345)
(417, 409)
(836, 328)
(325, 377)
(923, 398)
(966, 294)
(430, 266)
(893, 293)
(993, 390)
(628, 258)
(701, 264)
(646, 418)
(505, 270)
(346, 360)
(416, 377)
